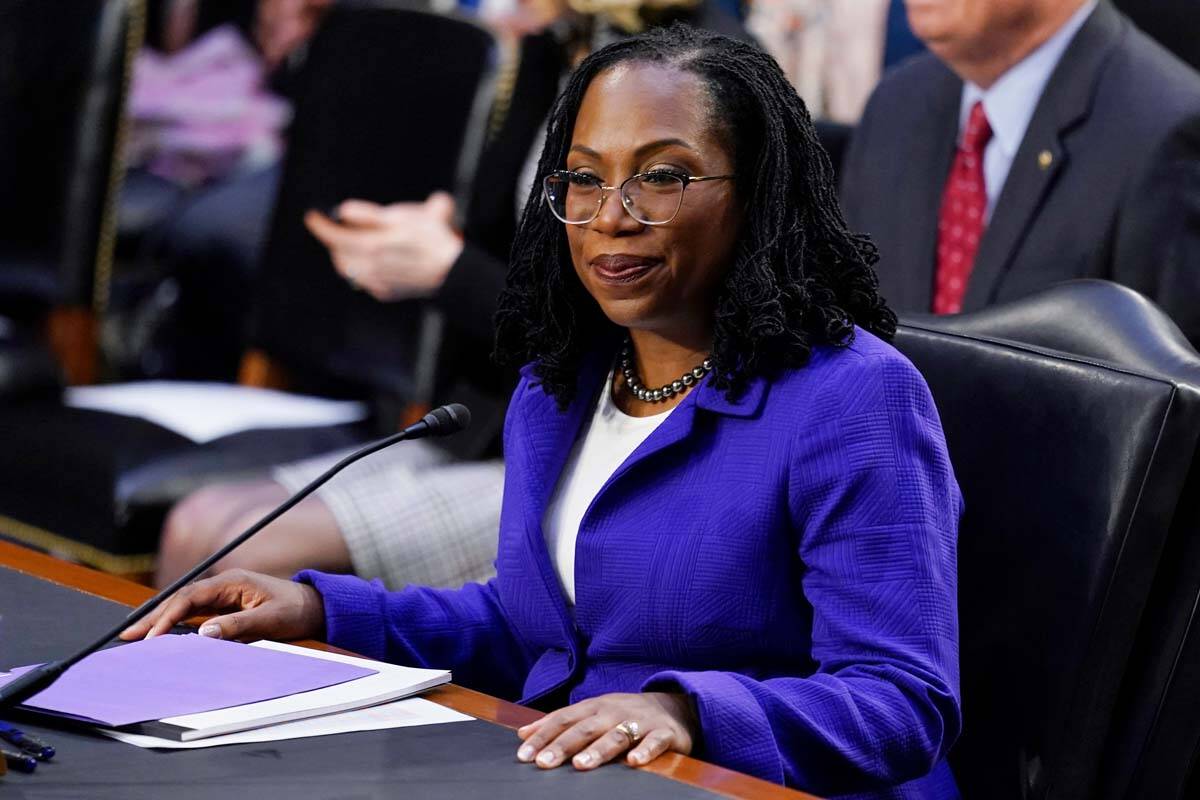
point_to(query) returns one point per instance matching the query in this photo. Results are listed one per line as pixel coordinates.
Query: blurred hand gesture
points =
(393, 252)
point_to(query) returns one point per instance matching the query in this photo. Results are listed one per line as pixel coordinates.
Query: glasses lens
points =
(653, 197)
(573, 197)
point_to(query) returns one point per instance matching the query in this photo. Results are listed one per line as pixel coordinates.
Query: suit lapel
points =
(674, 429)
(682, 422)
(1042, 155)
(551, 434)
(932, 154)
(543, 453)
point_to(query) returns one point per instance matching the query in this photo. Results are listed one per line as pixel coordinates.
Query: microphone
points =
(442, 421)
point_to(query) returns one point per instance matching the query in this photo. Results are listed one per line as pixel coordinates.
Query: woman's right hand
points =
(262, 608)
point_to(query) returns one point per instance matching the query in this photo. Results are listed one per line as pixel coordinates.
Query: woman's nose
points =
(613, 219)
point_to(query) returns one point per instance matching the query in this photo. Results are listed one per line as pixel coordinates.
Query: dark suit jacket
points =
(1119, 198)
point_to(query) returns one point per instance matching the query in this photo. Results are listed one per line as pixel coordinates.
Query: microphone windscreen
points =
(447, 419)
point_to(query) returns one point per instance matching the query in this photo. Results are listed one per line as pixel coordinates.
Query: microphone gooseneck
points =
(442, 421)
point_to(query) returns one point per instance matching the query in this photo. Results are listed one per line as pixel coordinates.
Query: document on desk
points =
(206, 411)
(385, 683)
(182, 674)
(397, 714)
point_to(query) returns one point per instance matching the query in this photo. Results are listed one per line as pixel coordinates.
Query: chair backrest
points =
(1155, 747)
(393, 105)
(63, 80)
(64, 77)
(1073, 467)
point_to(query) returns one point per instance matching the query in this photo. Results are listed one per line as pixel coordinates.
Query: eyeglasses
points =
(652, 198)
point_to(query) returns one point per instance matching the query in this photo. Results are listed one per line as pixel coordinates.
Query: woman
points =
(729, 516)
(425, 513)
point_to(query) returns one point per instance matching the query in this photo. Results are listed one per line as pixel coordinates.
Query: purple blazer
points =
(786, 559)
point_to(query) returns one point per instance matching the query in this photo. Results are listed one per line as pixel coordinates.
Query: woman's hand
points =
(265, 608)
(587, 732)
(393, 252)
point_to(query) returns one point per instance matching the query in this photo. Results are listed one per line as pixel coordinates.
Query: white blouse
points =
(609, 438)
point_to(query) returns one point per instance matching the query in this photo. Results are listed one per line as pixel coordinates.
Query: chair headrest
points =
(1091, 319)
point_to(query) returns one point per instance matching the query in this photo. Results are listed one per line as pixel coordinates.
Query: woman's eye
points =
(662, 176)
(581, 179)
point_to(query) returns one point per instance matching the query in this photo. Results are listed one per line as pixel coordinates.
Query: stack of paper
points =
(190, 690)
(206, 411)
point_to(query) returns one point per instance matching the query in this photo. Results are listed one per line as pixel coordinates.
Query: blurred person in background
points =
(424, 514)
(831, 50)
(1038, 141)
(209, 112)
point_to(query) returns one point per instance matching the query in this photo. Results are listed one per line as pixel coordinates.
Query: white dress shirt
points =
(1010, 102)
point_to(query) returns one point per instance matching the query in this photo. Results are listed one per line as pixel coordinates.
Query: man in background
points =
(1038, 141)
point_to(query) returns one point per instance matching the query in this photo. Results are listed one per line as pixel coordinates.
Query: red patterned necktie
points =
(961, 220)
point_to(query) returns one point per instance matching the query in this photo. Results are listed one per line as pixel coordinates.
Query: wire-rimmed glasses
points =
(652, 198)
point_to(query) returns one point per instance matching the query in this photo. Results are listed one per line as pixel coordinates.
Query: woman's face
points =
(638, 118)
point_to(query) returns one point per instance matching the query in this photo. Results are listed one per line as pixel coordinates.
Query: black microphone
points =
(442, 421)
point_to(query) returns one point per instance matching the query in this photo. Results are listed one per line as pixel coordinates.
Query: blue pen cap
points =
(43, 752)
(19, 761)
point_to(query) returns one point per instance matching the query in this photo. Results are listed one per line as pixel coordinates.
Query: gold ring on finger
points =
(631, 730)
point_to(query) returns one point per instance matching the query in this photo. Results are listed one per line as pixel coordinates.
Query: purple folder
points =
(179, 674)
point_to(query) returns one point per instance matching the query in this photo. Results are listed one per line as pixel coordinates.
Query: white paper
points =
(390, 682)
(206, 411)
(398, 714)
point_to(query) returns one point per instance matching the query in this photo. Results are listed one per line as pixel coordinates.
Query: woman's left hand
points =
(587, 732)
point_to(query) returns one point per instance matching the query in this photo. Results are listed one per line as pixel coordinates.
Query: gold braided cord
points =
(506, 83)
(76, 551)
(135, 33)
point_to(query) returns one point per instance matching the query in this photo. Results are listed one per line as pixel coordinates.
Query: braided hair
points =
(799, 277)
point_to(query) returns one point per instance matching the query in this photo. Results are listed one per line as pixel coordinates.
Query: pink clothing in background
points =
(204, 112)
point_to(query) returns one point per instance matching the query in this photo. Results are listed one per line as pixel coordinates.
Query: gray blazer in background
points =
(1105, 184)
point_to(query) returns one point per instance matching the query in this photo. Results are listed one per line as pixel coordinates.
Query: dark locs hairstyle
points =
(799, 277)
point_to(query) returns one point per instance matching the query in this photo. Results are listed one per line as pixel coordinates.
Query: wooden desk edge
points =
(686, 770)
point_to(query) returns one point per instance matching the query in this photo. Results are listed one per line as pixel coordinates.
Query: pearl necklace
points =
(669, 390)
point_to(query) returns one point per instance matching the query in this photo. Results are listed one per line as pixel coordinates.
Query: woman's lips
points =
(623, 268)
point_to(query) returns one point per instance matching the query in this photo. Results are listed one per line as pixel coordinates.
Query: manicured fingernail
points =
(583, 759)
(525, 753)
(546, 758)
(639, 758)
(211, 630)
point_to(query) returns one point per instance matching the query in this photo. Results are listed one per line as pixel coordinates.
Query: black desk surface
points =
(40, 620)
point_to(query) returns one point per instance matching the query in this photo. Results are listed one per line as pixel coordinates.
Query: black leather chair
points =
(1155, 748)
(393, 104)
(63, 79)
(1072, 419)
